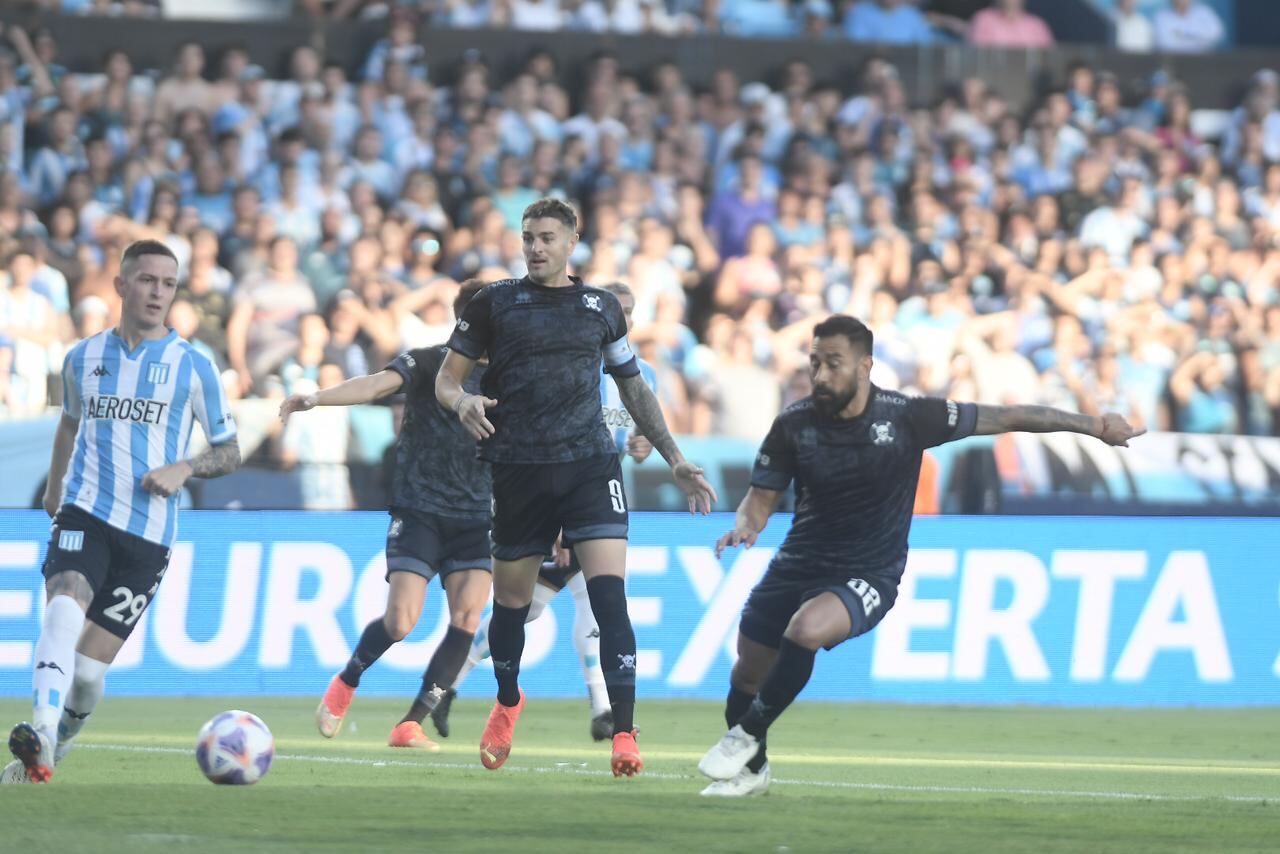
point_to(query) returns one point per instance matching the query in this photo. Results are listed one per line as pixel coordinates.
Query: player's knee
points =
(806, 633)
(466, 618)
(399, 622)
(71, 584)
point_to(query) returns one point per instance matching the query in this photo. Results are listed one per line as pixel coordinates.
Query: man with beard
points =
(854, 451)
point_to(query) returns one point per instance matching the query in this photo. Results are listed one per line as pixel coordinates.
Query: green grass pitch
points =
(847, 778)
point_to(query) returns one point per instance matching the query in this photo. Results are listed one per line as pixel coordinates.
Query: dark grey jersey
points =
(436, 466)
(856, 479)
(546, 347)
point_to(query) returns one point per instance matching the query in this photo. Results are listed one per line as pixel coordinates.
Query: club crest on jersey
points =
(157, 373)
(591, 301)
(882, 433)
(397, 525)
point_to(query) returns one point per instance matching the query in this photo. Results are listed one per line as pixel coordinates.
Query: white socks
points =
(542, 597)
(87, 687)
(55, 662)
(586, 639)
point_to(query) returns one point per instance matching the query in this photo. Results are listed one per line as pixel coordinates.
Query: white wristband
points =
(457, 404)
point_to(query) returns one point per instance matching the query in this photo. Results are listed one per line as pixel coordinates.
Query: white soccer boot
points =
(729, 755)
(746, 784)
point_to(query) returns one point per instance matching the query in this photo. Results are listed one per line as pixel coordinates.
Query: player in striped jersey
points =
(562, 569)
(130, 397)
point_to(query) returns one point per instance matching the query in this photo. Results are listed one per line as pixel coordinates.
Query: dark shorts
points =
(558, 577)
(124, 570)
(532, 503)
(428, 544)
(775, 600)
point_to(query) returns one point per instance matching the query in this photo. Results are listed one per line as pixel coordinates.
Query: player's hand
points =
(472, 409)
(296, 403)
(52, 500)
(562, 556)
(638, 447)
(1116, 431)
(695, 487)
(166, 480)
(733, 539)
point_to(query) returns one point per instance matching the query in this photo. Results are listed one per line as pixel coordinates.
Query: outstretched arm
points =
(1110, 428)
(645, 410)
(753, 514)
(351, 392)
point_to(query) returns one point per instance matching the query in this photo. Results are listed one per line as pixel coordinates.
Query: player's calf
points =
(617, 647)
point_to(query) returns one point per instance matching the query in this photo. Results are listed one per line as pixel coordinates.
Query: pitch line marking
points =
(871, 761)
(824, 784)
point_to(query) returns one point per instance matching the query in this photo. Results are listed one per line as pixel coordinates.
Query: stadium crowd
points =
(1170, 26)
(1090, 251)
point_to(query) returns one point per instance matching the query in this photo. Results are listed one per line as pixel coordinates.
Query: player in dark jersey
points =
(440, 504)
(562, 569)
(555, 466)
(854, 452)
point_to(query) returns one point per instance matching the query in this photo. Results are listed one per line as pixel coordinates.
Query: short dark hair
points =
(619, 289)
(550, 208)
(860, 337)
(469, 289)
(139, 248)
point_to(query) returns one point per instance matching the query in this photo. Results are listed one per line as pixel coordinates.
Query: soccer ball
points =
(235, 748)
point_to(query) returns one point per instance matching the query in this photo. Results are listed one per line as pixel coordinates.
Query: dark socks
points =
(786, 679)
(735, 706)
(506, 645)
(608, 594)
(373, 643)
(440, 673)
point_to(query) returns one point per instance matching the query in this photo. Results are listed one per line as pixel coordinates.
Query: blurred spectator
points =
(1134, 32)
(186, 89)
(1188, 26)
(1006, 23)
(734, 211)
(262, 330)
(887, 22)
(29, 336)
(756, 18)
(318, 447)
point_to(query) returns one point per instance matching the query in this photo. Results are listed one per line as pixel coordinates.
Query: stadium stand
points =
(1105, 246)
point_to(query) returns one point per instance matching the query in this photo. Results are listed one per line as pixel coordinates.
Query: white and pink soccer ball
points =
(235, 748)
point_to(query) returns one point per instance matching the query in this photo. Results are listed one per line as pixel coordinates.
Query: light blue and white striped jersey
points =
(135, 411)
(616, 416)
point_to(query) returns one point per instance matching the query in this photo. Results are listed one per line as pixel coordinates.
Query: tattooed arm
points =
(643, 405)
(215, 461)
(1110, 428)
